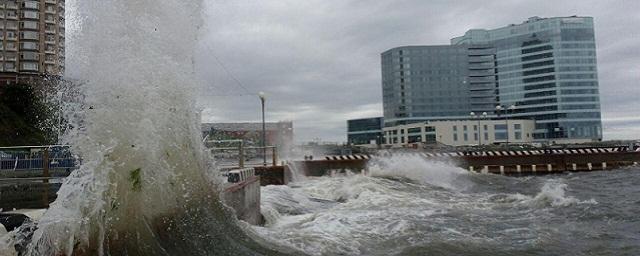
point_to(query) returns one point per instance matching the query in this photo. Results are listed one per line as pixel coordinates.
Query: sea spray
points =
(144, 186)
(419, 169)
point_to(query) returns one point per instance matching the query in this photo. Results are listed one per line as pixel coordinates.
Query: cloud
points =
(319, 60)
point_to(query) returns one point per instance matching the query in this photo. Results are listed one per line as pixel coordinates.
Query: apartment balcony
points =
(479, 52)
(50, 10)
(11, 16)
(14, 38)
(482, 72)
(482, 94)
(50, 1)
(485, 65)
(50, 21)
(482, 87)
(485, 58)
(12, 6)
(478, 80)
(482, 101)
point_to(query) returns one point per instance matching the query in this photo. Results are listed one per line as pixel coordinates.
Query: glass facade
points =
(364, 131)
(423, 83)
(546, 68)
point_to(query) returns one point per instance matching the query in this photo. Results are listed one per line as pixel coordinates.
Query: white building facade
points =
(461, 132)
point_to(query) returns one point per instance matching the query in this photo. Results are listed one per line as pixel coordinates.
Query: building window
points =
(415, 138)
(466, 137)
(518, 135)
(475, 136)
(501, 135)
(455, 136)
(464, 127)
(401, 139)
(517, 126)
(31, 66)
(486, 127)
(28, 46)
(486, 136)
(475, 127)
(414, 130)
(455, 128)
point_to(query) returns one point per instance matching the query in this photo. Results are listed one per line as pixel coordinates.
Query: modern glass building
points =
(445, 82)
(546, 68)
(365, 131)
(543, 69)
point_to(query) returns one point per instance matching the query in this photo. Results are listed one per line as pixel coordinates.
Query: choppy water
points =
(436, 210)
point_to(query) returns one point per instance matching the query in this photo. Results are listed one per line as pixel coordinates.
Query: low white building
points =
(461, 132)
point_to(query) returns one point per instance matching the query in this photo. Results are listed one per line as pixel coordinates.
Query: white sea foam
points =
(417, 168)
(553, 193)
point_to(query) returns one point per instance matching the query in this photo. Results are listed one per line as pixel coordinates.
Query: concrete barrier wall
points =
(505, 164)
(244, 198)
(323, 167)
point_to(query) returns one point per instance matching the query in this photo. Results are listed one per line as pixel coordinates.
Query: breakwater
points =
(528, 162)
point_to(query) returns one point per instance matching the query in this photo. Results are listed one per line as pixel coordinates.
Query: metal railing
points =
(36, 158)
(21, 166)
(235, 153)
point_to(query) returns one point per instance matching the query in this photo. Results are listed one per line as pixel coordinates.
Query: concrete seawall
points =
(244, 198)
(504, 162)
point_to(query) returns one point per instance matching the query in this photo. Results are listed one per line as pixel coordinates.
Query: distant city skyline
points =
(318, 61)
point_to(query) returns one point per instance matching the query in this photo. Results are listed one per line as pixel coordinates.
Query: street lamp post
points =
(500, 108)
(264, 131)
(484, 115)
(506, 117)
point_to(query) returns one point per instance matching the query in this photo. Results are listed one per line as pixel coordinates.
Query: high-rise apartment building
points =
(33, 39)
(543, 69)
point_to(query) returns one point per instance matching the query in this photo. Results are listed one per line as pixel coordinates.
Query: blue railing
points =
(32, 158)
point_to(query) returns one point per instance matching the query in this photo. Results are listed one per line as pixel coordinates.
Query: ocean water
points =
(413, 207)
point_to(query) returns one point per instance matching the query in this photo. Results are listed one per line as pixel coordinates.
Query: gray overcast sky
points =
(319, 60)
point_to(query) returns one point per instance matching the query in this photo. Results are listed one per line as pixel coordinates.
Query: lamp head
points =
(261, 95)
